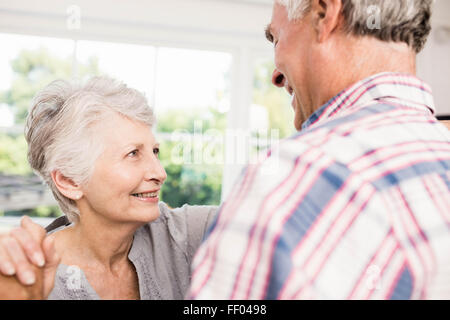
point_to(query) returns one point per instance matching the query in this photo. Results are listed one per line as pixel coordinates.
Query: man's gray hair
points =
(60, 128)
(399, 20)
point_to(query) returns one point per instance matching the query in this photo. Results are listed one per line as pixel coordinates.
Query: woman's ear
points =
(66, 186)
(326, 15)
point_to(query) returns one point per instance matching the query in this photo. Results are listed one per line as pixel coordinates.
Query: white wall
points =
(433, 63)
(208, 23)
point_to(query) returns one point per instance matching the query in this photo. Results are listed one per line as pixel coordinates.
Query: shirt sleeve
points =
(194, 221)
(267, 240)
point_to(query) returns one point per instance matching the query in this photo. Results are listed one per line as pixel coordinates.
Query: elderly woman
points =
(94, 147)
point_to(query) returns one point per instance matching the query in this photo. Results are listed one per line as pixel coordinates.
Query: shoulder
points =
(357, 132)
(187, 215)
(187, 224)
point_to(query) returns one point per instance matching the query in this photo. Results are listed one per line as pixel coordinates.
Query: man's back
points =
(359, 206)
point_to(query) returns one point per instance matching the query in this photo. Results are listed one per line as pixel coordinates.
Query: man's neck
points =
(360, 58)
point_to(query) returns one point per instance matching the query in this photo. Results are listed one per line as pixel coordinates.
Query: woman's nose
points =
(162, 173)
(156, 172)
(278, 78)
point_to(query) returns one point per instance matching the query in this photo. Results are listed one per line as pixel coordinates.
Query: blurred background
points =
(195, 60)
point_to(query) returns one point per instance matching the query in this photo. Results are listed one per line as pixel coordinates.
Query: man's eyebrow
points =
(268, 32)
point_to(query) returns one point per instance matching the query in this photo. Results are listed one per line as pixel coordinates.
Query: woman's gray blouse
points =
(161, 252)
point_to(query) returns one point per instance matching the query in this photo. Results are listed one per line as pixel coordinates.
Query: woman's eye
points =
(133, 153)
(156, 151)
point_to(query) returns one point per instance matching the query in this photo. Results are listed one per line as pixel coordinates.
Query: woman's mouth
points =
(147, 196)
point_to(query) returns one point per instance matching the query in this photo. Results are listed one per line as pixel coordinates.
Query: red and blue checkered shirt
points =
(354, 206)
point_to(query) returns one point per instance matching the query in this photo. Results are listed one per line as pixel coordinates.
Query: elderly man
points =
(359, 206)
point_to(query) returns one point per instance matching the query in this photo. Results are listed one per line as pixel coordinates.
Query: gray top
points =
(161, 253)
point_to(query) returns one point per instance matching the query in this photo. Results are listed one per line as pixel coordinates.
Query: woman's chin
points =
(134, 211)
(146, 215)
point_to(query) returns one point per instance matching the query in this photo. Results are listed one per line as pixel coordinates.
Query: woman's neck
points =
(97, 242)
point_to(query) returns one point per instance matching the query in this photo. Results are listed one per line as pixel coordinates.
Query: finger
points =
(24, 270)
(32, 249)
(51, 255)
(6, 265)
(53, 260)
(36, 231)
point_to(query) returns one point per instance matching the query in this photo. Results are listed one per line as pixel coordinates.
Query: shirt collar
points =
(407, 89)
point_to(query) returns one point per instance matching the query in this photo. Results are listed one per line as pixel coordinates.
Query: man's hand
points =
(12, 289)
(29, 255)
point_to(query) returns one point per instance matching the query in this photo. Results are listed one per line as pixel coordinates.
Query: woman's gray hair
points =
(388, 20)
(60, 128)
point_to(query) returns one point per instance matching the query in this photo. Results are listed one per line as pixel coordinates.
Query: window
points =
(28, 63)
(271, 114)
(132, 64)
(188, 89)
(192, 98)
(271, 108)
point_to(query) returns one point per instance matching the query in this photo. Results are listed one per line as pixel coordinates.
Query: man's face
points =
(292, 42)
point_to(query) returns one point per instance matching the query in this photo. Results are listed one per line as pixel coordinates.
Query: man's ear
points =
(66, 186)
(326, 15)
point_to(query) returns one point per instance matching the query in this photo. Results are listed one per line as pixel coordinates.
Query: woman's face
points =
(127, 176)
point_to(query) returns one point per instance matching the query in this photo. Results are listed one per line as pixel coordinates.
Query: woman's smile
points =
(147, 197)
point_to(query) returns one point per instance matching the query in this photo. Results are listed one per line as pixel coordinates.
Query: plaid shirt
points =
(357, 207)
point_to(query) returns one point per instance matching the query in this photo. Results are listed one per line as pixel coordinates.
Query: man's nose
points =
(278, 78)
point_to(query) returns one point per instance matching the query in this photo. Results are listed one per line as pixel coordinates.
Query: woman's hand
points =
(25, 248)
